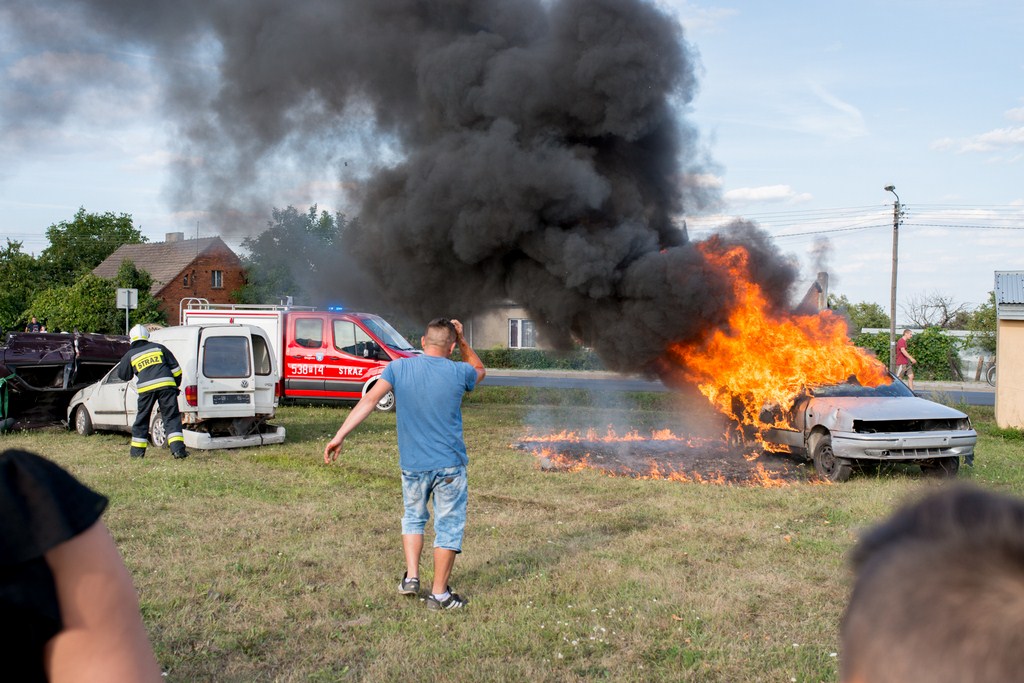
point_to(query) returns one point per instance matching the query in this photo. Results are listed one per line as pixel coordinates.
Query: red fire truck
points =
(324, 355)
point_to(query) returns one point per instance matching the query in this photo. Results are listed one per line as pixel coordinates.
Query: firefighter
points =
(159, 379)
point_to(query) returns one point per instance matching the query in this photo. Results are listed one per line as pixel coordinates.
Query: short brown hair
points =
(939, 592)
(440, 332)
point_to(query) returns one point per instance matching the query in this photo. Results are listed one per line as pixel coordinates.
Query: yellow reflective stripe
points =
(139, 444)
(157, 385)
(176, 372)
(172, 439)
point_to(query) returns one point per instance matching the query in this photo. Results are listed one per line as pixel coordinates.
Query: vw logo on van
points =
(245, 384)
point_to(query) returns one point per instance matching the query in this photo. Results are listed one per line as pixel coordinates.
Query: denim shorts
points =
(448, 488)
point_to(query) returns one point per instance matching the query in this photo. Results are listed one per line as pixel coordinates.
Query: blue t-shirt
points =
(428, 397)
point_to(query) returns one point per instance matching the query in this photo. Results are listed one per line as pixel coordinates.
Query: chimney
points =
(823, 290)
(174, 237)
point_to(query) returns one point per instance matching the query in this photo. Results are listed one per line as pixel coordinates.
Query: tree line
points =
(58, 287)
(288, 257)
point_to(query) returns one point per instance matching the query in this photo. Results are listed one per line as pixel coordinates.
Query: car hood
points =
(885, 408)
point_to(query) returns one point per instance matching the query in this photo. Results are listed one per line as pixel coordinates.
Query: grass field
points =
(267, 565)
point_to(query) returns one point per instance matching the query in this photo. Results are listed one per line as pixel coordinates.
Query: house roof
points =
(162, 260)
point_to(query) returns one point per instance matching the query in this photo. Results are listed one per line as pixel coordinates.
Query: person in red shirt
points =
(904, 361)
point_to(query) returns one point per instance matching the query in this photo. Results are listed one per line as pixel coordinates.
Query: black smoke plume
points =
(495, 150)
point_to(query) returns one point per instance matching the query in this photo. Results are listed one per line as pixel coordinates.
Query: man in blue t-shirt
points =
(431, 450)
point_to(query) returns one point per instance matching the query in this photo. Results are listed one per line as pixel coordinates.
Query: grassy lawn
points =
(266, 565)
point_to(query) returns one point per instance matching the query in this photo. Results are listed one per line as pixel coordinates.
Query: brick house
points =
(180, 269)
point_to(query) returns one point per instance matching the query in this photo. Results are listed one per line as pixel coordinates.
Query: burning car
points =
(838, 426)
(40, 371)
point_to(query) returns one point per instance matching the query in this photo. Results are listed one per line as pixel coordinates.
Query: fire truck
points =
(333, 354)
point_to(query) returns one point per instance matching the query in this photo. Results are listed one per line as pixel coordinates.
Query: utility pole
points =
(897, 215)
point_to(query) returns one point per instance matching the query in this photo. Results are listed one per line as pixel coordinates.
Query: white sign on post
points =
(127, 299)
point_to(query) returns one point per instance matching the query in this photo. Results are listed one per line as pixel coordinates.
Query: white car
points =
(842, 425)
(228, 390)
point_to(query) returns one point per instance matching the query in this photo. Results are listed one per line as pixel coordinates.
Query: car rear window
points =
(225, 357)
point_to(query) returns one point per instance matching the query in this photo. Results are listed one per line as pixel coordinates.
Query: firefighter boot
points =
(138, 449)
(179, 452)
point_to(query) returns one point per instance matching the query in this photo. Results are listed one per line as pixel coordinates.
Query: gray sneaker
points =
(409, 586)
(453, 601)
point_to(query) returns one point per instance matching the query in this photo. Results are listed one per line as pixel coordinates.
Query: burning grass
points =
(661, 455)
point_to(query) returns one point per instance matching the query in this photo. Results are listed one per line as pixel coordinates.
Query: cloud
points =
(996, 140)
(698, 19)
(839, 119)
(766, 193)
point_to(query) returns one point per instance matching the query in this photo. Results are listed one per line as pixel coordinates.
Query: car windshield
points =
(386, 333)
(852, 388)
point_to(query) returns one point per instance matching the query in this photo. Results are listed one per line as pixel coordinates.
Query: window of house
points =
(522, 334)
(218, 279)
(184, 281)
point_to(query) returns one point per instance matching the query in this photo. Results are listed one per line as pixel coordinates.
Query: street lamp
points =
(896, 214)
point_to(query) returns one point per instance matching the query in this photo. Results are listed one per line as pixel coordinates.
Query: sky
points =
(806, 111)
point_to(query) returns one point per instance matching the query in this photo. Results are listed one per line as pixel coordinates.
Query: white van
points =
(228, 384)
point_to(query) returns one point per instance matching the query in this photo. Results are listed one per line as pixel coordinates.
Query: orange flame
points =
(768, 359)
(611, 436)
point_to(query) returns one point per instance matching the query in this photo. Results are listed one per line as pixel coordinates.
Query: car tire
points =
(83, 423)
(941, 467)
(826, 464)
(387, 402)
(158, 431)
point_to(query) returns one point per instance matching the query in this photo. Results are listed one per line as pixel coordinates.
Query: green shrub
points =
(936, 353)
(533, 359)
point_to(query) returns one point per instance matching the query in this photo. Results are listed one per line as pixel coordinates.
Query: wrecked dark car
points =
(41, 371)
(843, 425)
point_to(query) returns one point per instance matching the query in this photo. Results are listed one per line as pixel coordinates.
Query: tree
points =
(20, 279)
(90, 304)
(148, 310)
(286, 258)
(860, 315)
(79, 245)
(982, 324)
(936, 310)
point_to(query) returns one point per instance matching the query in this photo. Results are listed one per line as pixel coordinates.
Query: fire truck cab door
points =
(354, 357)
(304, 355)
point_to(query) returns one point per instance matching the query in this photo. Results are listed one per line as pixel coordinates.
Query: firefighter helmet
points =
(138, 333)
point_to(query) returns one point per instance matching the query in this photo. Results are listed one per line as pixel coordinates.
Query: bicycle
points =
(990, 375)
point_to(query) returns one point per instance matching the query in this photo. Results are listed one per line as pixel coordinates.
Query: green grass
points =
(267, 565)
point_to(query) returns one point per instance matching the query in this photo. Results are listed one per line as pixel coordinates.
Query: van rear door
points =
(266, 372)
(225, 376)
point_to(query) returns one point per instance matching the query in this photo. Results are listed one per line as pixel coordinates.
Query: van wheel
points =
(387, 402)
(158, 431)
(83, 423)
(941, 467)
(826, 464)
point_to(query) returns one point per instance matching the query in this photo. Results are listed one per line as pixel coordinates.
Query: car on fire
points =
(848, 425)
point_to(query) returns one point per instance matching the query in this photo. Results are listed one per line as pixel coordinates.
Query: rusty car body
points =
(41, 371)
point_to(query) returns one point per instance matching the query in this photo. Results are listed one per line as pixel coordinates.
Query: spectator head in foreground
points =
(939, 593)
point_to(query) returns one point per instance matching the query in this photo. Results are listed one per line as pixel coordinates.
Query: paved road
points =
(970, 393)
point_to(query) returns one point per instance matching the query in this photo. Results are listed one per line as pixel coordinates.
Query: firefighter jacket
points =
(153, 363)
